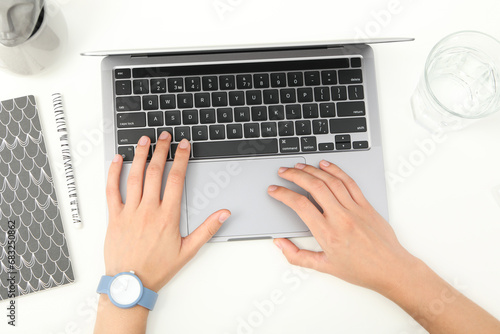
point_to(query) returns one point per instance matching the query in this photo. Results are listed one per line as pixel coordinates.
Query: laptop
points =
(248, 111)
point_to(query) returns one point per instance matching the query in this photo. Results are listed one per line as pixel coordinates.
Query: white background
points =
(442, 207)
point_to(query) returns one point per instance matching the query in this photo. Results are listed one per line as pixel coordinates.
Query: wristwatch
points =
(125, 290)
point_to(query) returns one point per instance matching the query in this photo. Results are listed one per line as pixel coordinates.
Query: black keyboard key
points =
(355, 62)
(271, 96)
(228, 148)
(321, 94)
(219, 99)
(202, 100)
(289, 145)
(295, 79)
(224, 115)
(173, 117)
(168, 129)
(327, 109)
(185, 101)
(356, 92)
(326, 146)
(175, 85)
(302, 128)
(127, 152)
(305, 94)
(234, 131)
(173, 149)
(312, 78)
(226, 82)
(347, 125)
(122, 73)
(288, 95)
(350, 77)
(308, 144)
(244, 81)
(123, 87)
(259, 113)
(359, 145)
(278, 80)
(343, 146)
(210, 83)
(129, 103)
(190, 116)
(339, 93)
(155, 118)
(236, 98)
(254, 97)
(342, 139)
(182, 132)
(217, 132)
(347, 109)
(329, 77)
(276, 112)
(141, 86)
(285, 128)
(320, 126)
(252, 130)
(132, 136)
(193, 84)
(167, 101)
(310, 110)
(268, 129)
(131, 120)
(242, 114)
(293, 111)
(200, 132)
(261, 80)
(207, 116)
(158, 86)
(150, 102)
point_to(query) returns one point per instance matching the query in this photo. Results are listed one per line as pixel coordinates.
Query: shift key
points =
(347, 125)
(132, 136)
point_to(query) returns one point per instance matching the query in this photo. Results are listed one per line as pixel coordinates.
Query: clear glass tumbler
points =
(461, 82)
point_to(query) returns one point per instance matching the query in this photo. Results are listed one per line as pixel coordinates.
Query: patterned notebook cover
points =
(29, 216)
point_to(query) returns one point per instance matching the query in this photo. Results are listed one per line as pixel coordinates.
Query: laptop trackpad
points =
(241, 187)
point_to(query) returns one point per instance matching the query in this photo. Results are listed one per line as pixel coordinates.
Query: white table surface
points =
(442, 209)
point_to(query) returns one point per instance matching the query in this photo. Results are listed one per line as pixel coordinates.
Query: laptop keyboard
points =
(244, 109)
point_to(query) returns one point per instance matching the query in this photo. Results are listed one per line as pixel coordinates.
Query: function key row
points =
(240, 81)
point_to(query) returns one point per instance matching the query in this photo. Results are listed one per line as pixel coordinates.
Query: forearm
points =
(112, 319)
(439, 307)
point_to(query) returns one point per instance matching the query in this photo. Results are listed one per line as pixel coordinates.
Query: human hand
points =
(143, 234)
(358, 245)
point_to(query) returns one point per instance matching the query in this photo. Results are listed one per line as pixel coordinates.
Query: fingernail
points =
(183, 143)
(324, 163)
(277, 243)
(272, 188)
(223, 217)
(117, 158)
(164, 135)
(143, 141)
(300, 166)
(282, 169)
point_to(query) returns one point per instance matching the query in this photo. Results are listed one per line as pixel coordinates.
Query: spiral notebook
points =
(33, 251)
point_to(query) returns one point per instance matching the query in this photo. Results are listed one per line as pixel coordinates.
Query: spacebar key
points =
(235, 148)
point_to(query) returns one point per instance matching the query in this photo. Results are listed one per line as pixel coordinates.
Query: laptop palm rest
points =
(241, 186)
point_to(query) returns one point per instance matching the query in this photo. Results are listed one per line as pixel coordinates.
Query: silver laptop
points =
(248, 111)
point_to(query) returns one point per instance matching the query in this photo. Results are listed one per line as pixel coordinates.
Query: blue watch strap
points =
(148, 299)
(104, 283)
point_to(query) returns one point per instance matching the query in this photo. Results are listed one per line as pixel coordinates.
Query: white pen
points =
(68, 166)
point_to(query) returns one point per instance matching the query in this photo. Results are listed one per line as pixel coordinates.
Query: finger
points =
(333, 183)
(349, 183)
(315, 186)
(113, 195)
(203, 233)
(175, 182)
(136, 174)
(302, 206)
(154, 173)
(301, 257)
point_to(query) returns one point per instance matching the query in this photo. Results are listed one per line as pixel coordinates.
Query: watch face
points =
(125, 289)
